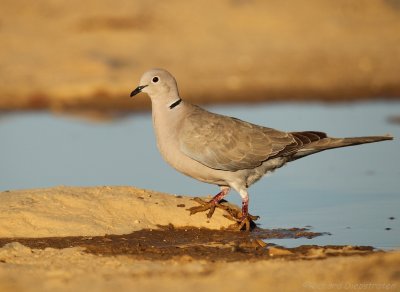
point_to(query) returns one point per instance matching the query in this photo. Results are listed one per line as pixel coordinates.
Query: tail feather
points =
(330, 143)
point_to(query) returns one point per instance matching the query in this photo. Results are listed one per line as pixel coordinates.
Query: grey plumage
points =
(227, 143)
(222, 150)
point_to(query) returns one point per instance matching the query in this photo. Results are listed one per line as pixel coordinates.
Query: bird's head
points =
(159, 84)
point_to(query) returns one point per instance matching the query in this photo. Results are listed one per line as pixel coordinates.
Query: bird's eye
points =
(155, 79)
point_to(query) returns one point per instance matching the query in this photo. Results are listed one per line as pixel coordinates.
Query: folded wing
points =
(226, 143)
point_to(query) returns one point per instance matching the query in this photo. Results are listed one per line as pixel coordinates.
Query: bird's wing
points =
(226, 143)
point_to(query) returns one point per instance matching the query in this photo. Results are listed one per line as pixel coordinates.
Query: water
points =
(349, 192)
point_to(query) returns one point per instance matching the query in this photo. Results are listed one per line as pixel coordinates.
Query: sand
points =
(69, 211)
(70, 269)
(66, 55)
(86, 212)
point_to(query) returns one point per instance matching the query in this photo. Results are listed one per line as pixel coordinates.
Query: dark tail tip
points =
(388, 137)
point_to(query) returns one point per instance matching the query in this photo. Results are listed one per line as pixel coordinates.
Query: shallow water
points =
(350, 192)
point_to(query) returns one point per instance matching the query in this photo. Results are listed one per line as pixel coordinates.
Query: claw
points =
(241, 221)
(199, 200)
(245, 222)
(230, 217)
(204, 206)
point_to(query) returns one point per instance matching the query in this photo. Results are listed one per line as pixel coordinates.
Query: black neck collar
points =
(176, 103)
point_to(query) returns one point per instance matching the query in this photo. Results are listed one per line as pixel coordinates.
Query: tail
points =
(325, 143)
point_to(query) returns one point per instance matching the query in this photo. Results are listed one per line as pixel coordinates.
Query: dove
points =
(222, 150)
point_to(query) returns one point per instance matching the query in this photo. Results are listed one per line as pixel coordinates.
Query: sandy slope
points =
(68, 211)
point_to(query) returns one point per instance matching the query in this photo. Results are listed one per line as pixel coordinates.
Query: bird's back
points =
(227, 143)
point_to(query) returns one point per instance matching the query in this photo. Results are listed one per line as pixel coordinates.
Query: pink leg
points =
(246, 219)
(245, 208)
(218, 197)
(245, 204)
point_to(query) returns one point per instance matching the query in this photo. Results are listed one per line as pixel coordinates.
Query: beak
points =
(138, 90)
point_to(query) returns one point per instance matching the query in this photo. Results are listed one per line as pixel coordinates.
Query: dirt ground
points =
(71, 55)
(108, 238)
(108, 263)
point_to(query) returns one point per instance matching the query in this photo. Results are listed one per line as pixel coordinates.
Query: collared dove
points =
(222, 150)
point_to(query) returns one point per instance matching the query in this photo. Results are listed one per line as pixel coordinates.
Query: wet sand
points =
(168, 242)
(72, 269)
(167, 257)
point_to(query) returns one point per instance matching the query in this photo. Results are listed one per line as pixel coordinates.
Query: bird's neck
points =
(167, 115)
(175, 103)
(166, 124)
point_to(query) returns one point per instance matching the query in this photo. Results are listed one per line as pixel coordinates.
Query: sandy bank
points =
(69, 211)
(169, 259)
(65, 55)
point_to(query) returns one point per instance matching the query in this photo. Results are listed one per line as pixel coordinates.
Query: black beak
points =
(138, 90)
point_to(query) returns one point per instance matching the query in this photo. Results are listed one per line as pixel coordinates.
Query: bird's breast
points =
(166, 128)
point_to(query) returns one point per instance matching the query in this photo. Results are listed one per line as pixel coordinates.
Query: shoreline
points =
(104, 104)
(62, 239)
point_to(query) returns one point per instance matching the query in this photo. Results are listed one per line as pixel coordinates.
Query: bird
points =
(222, 150)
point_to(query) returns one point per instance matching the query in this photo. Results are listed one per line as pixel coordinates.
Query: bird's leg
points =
(245, 219)
(245, 207)
(210, 205)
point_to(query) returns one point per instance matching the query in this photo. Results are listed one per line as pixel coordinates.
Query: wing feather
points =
(226, 143)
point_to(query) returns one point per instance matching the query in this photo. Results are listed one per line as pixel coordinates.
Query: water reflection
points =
(349, 192)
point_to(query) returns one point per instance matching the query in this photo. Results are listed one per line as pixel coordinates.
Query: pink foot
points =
(210, 205)
(244, 221)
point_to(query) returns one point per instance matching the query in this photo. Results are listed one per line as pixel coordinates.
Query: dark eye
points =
(155, 79)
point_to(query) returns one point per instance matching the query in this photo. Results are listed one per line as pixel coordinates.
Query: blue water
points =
(349, 192)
